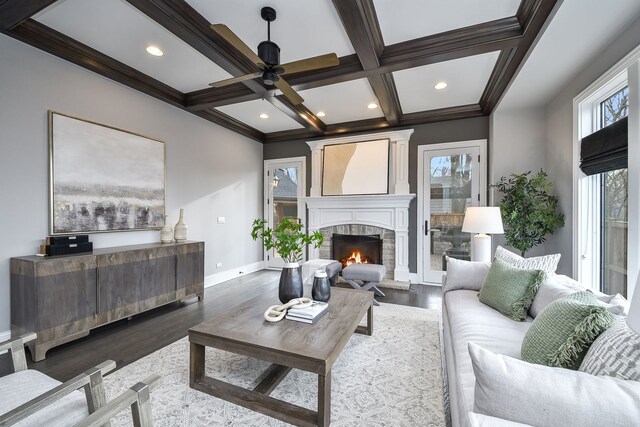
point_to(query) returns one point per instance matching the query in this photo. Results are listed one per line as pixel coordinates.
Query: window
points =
(604, 199)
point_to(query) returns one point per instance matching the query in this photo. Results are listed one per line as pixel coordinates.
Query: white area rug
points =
(392, 378)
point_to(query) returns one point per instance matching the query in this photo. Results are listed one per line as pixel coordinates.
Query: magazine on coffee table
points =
(308, 314)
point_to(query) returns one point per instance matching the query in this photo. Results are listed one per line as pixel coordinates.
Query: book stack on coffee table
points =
(308, 314)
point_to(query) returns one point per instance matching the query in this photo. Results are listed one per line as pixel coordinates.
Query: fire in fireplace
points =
(353, 249)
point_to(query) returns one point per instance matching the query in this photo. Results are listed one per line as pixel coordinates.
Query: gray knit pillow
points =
(615, 353)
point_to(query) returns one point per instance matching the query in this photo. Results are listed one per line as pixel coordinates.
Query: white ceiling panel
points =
(466, 79)
(302, 28)
(122, 32)
(342, 102)
(402, 20)
(249, 113)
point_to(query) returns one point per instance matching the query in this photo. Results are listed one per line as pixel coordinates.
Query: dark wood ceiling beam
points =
(216, 97)
(230, 123)
(15, 12)
(442, 114)
(380, 123)
(476, 39)
(178, 17)
(361, 24)
(533, 15)
(299, 113)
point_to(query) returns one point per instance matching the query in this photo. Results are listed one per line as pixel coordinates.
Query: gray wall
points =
(559, 150)
(432, 133)
(517, 144)
(210, 171)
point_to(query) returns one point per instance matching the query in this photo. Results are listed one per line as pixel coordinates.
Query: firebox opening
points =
(354, 249)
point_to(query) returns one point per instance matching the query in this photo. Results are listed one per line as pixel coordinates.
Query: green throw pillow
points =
(564, 330)
(510, 290)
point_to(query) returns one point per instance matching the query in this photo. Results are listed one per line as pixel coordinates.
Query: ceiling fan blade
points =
(288, 92)
(236, 42)
(322, 61)
(233, 80)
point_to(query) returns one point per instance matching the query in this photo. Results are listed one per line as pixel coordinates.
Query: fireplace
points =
(356, 249)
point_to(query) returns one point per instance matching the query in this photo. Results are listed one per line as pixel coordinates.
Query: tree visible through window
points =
(613, 265)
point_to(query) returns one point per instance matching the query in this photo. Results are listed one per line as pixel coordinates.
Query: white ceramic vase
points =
(180, 231)
(166, 234)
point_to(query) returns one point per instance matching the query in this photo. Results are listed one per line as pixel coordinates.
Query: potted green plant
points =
(529, 212)
(289, 240)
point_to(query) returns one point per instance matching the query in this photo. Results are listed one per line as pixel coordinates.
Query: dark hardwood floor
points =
(126, 341)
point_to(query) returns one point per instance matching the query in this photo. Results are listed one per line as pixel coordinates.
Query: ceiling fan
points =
(268, 60)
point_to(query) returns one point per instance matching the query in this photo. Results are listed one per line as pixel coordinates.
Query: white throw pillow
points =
(527, 393)
(615, 304)
(479, 420)
(551, 289)
(465, 274)
(546, 263)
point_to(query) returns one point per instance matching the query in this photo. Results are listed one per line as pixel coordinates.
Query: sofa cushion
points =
(470, 320)
(20, 387)
(546, 263)
(562, 333)
(552, 289)
(364, 272)
(480, 420)
(616, 353)
(463, 274)
(522, 392)
(510, 290)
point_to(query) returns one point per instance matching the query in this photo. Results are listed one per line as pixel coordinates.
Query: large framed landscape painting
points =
(103, 179)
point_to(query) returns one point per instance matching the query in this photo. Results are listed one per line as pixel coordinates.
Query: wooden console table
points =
(62, 298)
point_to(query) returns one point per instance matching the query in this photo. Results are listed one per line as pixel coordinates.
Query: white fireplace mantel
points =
(390, 211)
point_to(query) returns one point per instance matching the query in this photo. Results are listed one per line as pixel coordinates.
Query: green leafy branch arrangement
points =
(288, 238)
(529, 211)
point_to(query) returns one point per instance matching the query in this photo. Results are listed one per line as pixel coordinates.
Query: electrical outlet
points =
(218, 265)
(221, 220)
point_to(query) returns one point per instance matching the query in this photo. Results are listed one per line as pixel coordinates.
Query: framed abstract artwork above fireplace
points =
(103, 179)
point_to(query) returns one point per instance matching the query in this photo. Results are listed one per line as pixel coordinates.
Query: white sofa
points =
(467, 320)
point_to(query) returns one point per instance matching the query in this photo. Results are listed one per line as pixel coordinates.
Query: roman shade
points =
(605, 150)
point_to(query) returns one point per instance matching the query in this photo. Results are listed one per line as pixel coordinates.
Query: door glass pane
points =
(285, 193)
(614, 232)
(450, 195)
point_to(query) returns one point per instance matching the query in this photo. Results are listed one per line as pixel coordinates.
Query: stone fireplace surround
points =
(388, 214)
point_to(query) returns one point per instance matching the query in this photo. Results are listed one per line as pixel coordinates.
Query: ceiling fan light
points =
(269, 77)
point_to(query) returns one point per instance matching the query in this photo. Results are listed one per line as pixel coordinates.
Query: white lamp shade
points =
(633, 319)
(486, 220)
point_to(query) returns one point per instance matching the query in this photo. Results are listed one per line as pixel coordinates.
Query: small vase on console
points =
(166, 234)
(180, 231)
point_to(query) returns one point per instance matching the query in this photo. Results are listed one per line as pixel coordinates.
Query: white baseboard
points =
(5, 336)
(214, 279)
(413, 278)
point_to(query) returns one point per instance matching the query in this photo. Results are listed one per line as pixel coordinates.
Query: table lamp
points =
(484, 221)
(633, 318)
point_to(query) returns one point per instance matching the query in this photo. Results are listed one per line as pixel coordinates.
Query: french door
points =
(453, 178)
(284, 188)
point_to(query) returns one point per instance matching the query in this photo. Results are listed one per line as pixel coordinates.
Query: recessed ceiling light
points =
(441, 85)
(372, 106)
(320, 114)
(154, 50)
(264, 116)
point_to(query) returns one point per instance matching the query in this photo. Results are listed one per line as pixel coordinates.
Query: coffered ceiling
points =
(392, 54)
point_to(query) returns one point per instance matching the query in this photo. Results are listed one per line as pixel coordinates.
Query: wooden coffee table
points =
(287, 344)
